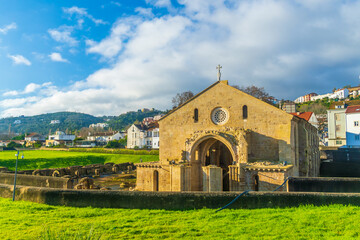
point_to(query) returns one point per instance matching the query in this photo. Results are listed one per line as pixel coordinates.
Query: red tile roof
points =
(353, 109)
(303, 115)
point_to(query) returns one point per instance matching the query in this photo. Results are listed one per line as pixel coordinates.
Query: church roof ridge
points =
(225, 82)
(197, 95)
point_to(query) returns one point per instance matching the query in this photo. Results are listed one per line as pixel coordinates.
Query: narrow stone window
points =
(256, 183)
(156, 181)
(196, 115)
(245, 112)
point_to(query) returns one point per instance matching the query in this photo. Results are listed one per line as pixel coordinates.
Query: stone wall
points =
(268, 124)
(266, 178)
(36, 181)
(169, 177)
(78, 171)
(174, 200)
(322, 184)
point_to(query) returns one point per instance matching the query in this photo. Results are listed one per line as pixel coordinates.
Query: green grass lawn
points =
(38, 159)
(26, 220)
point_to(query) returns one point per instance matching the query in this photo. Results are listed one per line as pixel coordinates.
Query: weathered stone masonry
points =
(226, 140)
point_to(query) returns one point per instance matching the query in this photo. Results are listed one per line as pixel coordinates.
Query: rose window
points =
(219, 116)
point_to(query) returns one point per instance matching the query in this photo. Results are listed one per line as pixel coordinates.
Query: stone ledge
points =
(268, 168)
(148, 165)
(175, 200)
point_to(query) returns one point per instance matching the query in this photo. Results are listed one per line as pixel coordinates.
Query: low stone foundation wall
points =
(79, 171)
(324, 184)
(36, 181)
(174, 200)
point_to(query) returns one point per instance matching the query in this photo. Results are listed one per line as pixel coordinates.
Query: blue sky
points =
(109, 57)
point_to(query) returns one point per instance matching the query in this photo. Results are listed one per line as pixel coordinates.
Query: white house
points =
(308, 116)
(34, 137)
(54, 121)
(106, 136)
(60, 138)
(340, 93)
(99, 125)
(314, 98)
(336, 127)
(59, 135)
(353, 126)
(299, 100)
(139, 135)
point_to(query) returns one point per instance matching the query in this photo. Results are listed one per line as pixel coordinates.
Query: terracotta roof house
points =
(308, 116)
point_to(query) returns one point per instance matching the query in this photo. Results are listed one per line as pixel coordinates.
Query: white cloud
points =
(10, 93)
(56, 57)
(19, 59)
(30, 88)
(110, 46)
(159, 3)
(7, 28)
(63, 35)
(116, 3)
(147, 12)
(288, 48)
(82, 12)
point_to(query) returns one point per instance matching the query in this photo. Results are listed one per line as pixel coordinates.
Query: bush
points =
(115, 151)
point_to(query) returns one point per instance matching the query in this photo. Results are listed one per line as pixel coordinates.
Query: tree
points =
(117, 143)
(181, 98)
(258, 92)
(317, 108)
(12, 145)
(20, 137)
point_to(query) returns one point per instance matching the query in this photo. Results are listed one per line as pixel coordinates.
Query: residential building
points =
(223, 139)
(319, 97)
(99, 125)
(106, 136)
(354, 91)
(308, 116)
(158, 117)
(54, 121)
(60, 138)
(34, 138)
(299, 100)
(143, 136)
(336, 127)
(353, 126)
(289, 107)
(305, 98)
(339, 94)
(17, 122)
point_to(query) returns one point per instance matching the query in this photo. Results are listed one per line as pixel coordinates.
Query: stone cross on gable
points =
(219, 73)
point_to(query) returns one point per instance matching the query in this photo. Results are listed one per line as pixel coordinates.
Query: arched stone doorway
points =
(214, 151)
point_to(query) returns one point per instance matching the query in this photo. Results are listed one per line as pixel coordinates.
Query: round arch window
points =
(219, 116)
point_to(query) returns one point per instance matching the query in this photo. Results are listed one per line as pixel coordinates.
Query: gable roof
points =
(304, 115)
(211, 86)
(197, 95)
(33, 135)
(353, 109)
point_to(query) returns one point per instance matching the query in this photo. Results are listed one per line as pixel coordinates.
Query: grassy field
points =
(25, 220)
(56, 159)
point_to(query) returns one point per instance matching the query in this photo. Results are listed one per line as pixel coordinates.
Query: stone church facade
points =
(226, 140)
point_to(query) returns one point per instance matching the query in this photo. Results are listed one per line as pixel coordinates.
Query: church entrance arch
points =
(215, 151)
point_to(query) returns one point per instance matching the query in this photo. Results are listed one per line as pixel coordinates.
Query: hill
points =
(70, 120)
(42, 123)
(122, 121)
